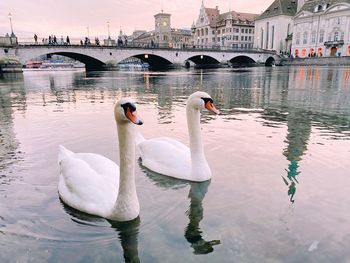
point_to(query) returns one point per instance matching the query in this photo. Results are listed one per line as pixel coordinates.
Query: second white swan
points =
(170, 157)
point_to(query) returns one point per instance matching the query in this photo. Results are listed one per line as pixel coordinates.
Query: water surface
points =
(279, 154)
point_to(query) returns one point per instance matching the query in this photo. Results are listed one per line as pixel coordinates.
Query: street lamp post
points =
(10, 17)
(109, 35)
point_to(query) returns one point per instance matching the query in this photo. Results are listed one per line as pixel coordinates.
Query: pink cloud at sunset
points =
(76, 18)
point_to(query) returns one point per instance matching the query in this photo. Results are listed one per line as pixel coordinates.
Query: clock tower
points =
(162, 30)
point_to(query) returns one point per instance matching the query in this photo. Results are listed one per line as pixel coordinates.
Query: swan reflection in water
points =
(193, 233)
(127, 231)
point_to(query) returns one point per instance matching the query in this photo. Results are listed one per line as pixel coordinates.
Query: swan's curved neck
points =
(127, 205)
(194, 131)
(200, 170)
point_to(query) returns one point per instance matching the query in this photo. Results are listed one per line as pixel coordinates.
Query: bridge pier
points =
(9, 63)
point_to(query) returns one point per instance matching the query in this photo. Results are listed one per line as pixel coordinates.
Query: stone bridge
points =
(99, 57)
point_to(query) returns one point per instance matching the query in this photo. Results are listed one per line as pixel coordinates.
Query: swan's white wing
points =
(166, 156)
(101, 165)
(89, 182)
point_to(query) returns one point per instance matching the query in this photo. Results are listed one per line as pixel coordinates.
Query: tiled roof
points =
(239, 16)
(310, 5)
(181, 31)
(280, 7)
(213, 15)
(216, 18)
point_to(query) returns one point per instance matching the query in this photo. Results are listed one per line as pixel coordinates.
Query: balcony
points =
(335, 43)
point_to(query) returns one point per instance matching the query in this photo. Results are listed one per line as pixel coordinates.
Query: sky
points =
(78, 18)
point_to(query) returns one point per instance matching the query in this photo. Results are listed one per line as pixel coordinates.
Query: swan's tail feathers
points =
(63, 153)
(139, 138)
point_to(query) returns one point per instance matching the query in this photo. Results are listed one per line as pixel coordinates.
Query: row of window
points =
(202, 32)
(234, 38)
(335, 36)
(229, 37)
(242, 45)
(341, 20)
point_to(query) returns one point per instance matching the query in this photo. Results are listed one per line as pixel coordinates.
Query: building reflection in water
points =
(197, 192)
(298, 97)
(299, 129)
(12, 100)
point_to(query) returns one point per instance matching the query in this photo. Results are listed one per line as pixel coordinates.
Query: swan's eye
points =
(129, 105)
(207, 99)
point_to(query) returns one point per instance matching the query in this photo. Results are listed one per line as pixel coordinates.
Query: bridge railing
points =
(137, 46)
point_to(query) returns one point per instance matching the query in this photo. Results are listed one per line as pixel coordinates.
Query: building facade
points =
(229, 30)
(322, 28)
(162, 35)
(273, 28)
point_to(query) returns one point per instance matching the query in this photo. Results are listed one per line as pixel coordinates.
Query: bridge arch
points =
(202, 60)
(154, 61)
(91, 63)
(270, 61)
(242, 60)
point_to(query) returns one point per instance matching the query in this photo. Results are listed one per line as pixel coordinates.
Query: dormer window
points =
(318, 8)
(325, 6)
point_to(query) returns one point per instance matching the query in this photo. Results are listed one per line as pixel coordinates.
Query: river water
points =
(279, 153)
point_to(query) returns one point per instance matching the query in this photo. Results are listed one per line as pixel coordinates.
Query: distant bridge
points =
(99, 57)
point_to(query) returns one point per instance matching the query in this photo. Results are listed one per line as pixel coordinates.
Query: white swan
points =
(169, 157)
(90, 182)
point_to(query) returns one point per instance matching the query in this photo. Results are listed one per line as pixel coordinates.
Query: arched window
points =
(336, 36)
(305, 38)
(321, 38)
(297, 39)
(313, 37)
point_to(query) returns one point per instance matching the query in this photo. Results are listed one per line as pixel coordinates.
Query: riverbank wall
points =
(322, 61)
(9, 63)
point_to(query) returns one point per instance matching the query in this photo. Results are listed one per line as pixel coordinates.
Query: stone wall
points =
(8, 41)
(323, 61)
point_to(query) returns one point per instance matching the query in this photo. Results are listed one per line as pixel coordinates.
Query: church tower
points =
(162, 29)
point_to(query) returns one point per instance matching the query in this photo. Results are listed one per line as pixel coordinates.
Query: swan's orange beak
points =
(210, 106)
(133, 117)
